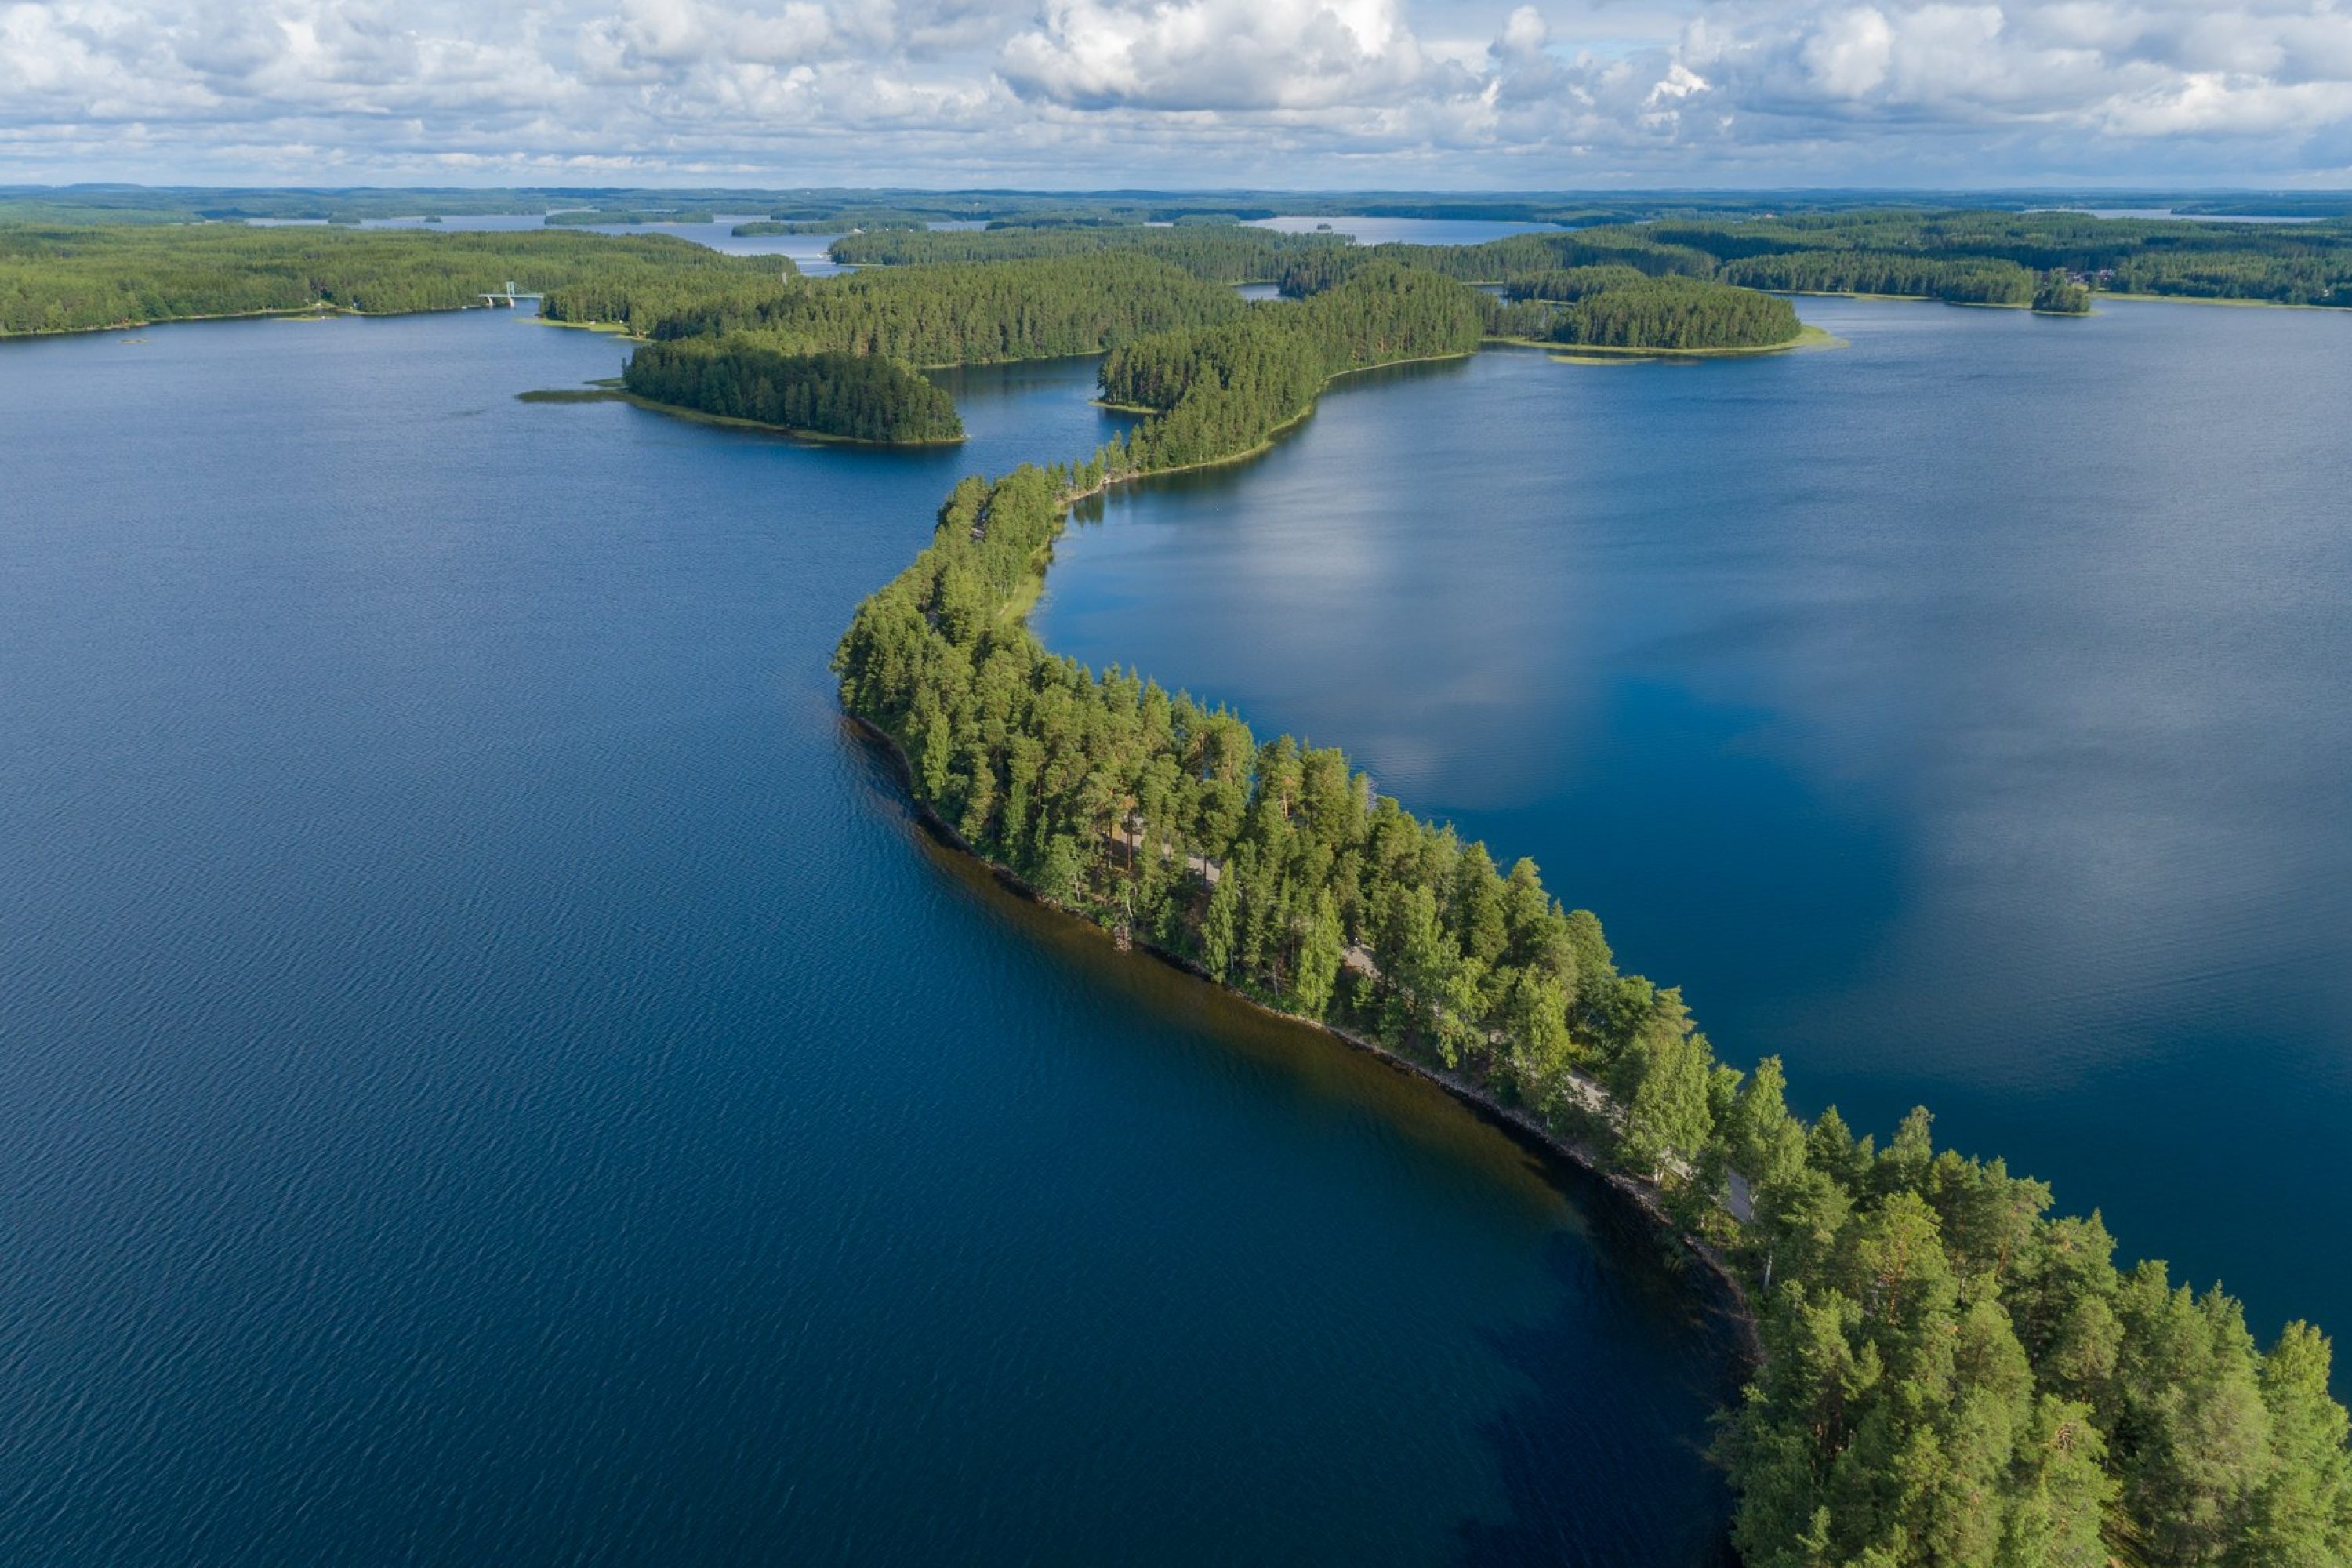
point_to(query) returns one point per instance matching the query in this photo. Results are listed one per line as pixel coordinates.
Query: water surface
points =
(493, 1077)
(1410, 230)
(1965, 714)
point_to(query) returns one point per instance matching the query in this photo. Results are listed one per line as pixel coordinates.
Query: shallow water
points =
(1965, 714)
(493, 1076)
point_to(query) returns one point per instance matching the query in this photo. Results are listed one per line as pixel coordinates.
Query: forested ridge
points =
(59, 279)
(1950, 1375)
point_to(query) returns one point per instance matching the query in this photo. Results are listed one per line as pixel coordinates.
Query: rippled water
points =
(1965, 714)
(491, 1076)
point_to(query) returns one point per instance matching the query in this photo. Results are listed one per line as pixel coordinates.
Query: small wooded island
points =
(1948, 1373)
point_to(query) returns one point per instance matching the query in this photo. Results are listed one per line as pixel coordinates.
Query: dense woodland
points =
(1673, 312)
(857, 398)
(1951, 1376)
(2286, 263)
(977, 315)
(1219, 391)
(1972, 258)
(1220, 252)
(1964, 282)
(759, 348)
(79, 280)
(644, 299)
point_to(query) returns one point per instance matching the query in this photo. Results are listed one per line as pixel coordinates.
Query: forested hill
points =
(55, 279)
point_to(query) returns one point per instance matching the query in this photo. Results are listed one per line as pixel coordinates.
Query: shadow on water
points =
(1688, 1358)
(1538, 1445)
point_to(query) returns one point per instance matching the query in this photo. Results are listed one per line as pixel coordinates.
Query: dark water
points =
(491, 1076)
(1965, 714)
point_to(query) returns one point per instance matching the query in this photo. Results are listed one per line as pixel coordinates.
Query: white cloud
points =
(1179, 91)
(1223, 55)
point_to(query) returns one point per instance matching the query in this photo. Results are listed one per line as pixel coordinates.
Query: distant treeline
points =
(76, 280)
(1972, 258)
(858, 397)
(1951, 1377)
(2301, 264)
(578, 219)
(1217, 253)
(865, 223)
(121, 203)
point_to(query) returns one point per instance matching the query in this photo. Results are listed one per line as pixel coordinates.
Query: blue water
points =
(1410, 230)
(492, 1075)
(1965, 714)
(808, 251)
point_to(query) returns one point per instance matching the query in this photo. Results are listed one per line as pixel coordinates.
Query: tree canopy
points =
(56, 279)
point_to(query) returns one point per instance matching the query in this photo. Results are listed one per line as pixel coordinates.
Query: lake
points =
(1409, 230)
(809, 252)
(1965, 714)
(494, 1075)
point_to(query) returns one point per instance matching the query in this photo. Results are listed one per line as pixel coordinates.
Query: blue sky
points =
(1424, 94)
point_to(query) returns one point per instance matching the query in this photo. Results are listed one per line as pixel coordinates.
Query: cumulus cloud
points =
(1436, 92)
(1226, 55)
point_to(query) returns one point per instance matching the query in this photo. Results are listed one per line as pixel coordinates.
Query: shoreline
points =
(1724, 1297)
(1811, 339)
(621, 394)
(321, 311)
(1072, 497)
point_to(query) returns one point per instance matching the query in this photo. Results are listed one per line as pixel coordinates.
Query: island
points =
(1945, 1369)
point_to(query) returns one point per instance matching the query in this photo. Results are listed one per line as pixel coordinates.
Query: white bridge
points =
(508, 295)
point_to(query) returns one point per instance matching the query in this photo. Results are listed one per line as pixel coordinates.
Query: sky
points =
(1452, 95)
